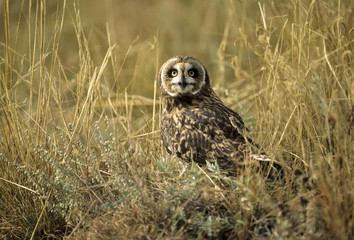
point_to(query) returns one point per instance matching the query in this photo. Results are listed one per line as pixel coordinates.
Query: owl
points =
(195, 123)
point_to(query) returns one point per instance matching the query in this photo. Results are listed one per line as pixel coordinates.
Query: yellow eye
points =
(174, 73)
(191, 73)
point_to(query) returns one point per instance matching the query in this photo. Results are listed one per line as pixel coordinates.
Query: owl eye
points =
(192, 73)
(173, 73)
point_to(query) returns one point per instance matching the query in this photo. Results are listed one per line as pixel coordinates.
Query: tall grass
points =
(80, 152)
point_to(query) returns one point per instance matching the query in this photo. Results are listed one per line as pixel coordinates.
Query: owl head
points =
(183, 76)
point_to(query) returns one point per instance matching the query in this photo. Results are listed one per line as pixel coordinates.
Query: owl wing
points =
(205, 134)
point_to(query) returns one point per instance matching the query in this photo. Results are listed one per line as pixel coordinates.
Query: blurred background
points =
(145, 34)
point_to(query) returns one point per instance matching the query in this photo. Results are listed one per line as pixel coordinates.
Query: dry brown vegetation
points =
(80, 152)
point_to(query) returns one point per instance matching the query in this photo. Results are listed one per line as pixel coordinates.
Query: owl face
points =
(181, 76)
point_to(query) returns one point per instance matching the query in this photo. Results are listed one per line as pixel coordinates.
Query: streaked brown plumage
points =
(195, 124)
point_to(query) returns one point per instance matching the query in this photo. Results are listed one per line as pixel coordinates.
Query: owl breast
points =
(202, 134)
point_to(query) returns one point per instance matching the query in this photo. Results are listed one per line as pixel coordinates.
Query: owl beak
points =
(183, 83)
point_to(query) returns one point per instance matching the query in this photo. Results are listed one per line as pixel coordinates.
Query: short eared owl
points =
(195, 124)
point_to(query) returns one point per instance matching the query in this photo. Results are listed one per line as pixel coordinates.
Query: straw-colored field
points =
(80, 149)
